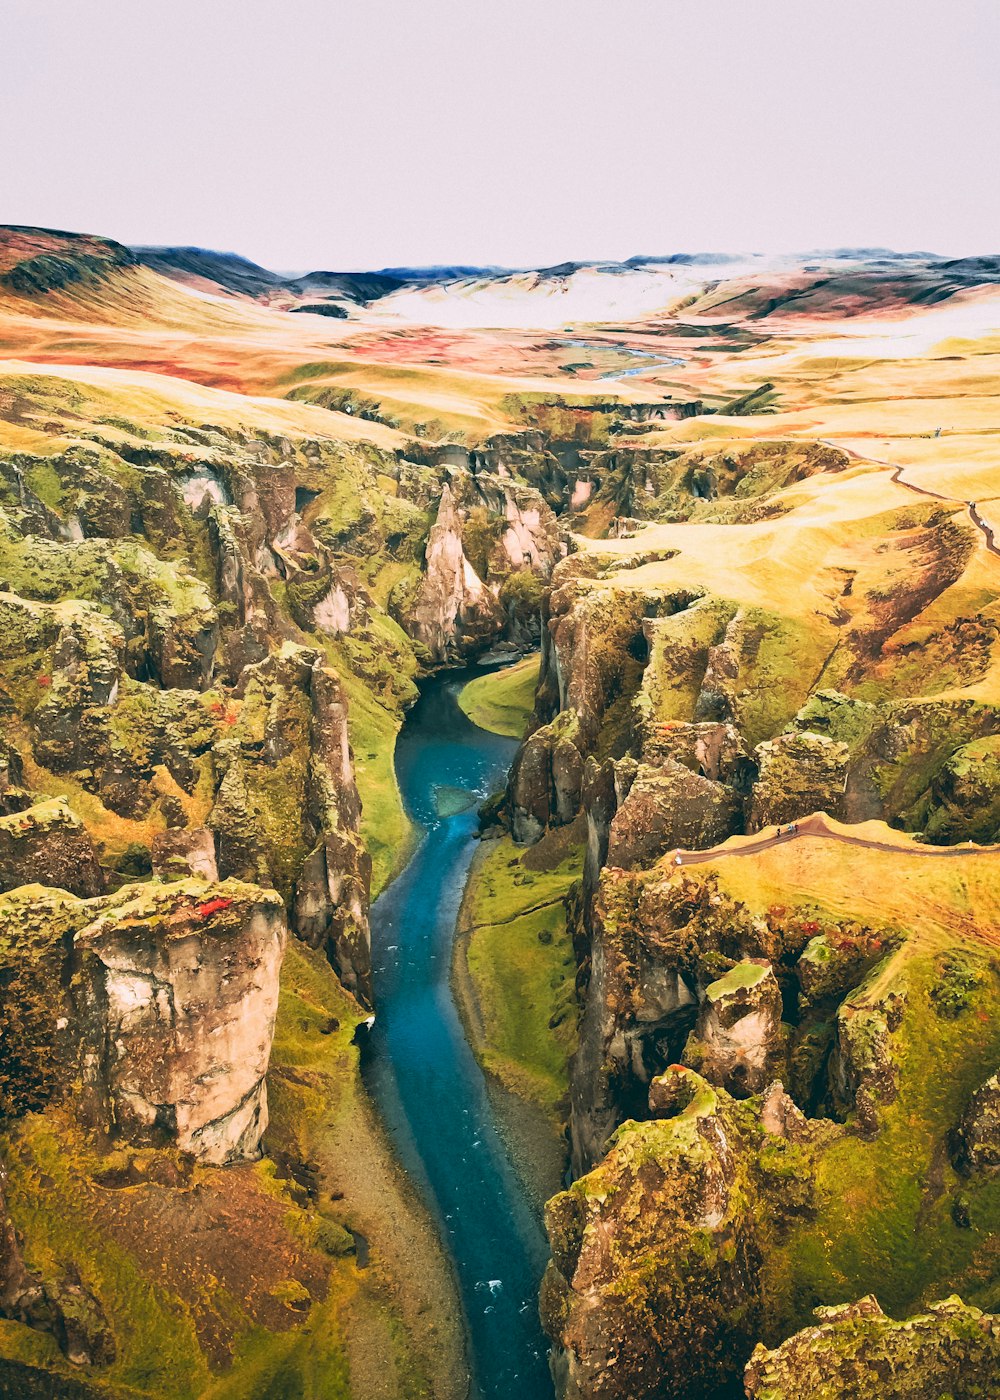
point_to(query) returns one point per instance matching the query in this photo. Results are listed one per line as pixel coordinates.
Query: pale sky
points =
(318, 133)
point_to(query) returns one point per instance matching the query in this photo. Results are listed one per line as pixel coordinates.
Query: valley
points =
(499, 827)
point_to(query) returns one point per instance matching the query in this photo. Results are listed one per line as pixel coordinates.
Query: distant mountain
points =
(685, 259)
(227, 271)
(230, 274)
(355, 286)
(39, 260)
(420, 276)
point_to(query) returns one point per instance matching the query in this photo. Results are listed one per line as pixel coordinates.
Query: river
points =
(657, 361)
(417, 1063)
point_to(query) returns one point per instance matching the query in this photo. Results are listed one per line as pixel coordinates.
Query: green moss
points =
(502, 700)
(884, 1206)
(44, 480)
(744, 974)
(522, 972)
(961, 975)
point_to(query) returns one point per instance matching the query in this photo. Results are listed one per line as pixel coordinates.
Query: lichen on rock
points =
(855, 1350)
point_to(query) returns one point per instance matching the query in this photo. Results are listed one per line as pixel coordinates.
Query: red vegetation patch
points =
(212, 906)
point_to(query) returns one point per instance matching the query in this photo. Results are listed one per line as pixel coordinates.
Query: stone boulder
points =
(180, 852)
(739, 1040)
(855, 1350)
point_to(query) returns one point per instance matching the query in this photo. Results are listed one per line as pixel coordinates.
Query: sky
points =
(322, 134)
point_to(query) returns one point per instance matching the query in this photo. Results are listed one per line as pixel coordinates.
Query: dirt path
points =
(897, 476)
(819, 825)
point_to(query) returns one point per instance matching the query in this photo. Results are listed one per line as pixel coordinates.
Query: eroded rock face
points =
(287, 812)
(655, 1256)
(641, 1003)
(593, 643)
(492, 542)
(177, 1003)
(177, 994)
(673, 968)
(855, 1350)
(800, 773)
(739, 1040)
(979, 1130)
(332, 891)
(48, 843)
(863, 1069)
(453, 600)
(161, 998)
(181, 852)
(667, 807)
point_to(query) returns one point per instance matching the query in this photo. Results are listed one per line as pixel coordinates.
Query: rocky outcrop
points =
(978, 1137)
(593, 652)
(640, 1005)
(799, 773)
(180, 852)
(863, 1071)
(546, 779)
(656, 1253)
(160, 1000)
(48, 843)
(672, 969)
(453, 602)
(855, 1350)
(177, 992)
(667, 807)
(287, 811)
(333, 886)
(739, 1041)
(488, 532)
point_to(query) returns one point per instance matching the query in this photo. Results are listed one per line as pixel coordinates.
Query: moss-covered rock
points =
(855, 1350)
(978, 1137)
(799, 773)
(656, 1252)
(49, 844)
(739, 1041)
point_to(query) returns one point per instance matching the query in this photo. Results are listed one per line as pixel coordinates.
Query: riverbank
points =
(532, 1133)
(397, 1310)
(501, 701)
(513, 973)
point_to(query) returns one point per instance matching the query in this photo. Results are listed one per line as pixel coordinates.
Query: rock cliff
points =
(855, 1350)
(152, 1010)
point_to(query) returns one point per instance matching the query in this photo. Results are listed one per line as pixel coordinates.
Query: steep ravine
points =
(418, 1064)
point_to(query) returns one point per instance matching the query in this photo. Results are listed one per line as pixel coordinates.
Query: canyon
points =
(341, 1030)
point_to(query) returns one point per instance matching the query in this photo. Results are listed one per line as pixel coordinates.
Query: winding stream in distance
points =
(419, 1067)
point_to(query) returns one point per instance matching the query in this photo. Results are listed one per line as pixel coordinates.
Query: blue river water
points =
(417, 1063)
